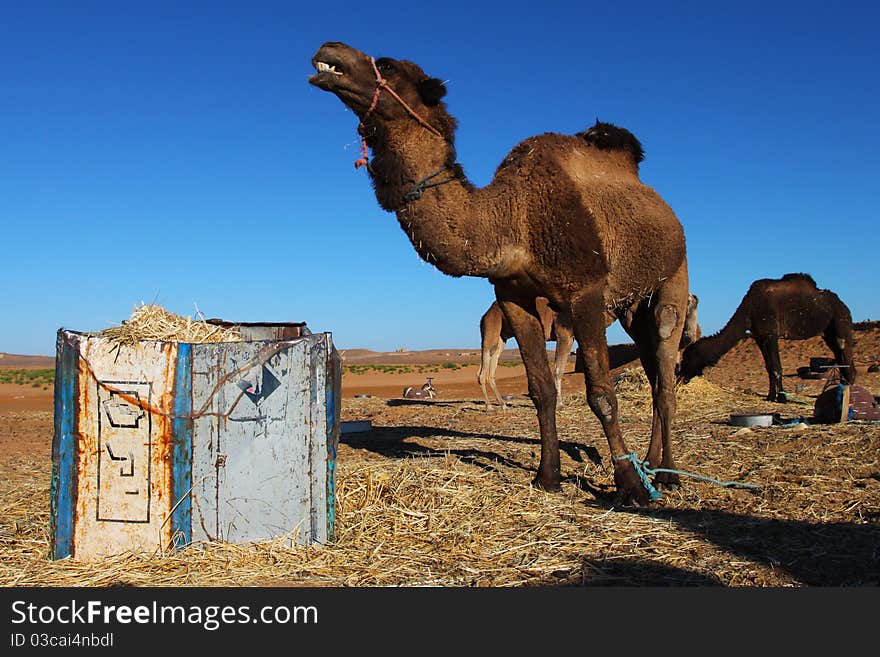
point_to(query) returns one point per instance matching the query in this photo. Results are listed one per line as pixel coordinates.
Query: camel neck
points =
(709, 350)
(443, 215)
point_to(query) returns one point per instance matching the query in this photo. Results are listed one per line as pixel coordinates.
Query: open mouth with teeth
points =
(329, 71)
(324, 67)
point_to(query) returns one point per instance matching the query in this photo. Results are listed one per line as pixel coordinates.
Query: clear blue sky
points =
(174, 152)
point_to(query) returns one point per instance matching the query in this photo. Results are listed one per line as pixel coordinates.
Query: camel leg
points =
(495, 356)
(588, 314)
(659, 356)
(564, 343)
(669, 315)
(769, 347)
(523, 318)
(489, 357)
(842, 350)
(481, 377)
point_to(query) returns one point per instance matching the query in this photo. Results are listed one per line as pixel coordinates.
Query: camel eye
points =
(385, 65)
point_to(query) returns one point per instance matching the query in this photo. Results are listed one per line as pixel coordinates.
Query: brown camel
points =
(495, 332)
(791, 308)
(566, 217)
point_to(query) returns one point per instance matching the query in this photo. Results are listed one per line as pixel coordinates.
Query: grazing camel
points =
(791, 308)
(565, 217)
(495, 332)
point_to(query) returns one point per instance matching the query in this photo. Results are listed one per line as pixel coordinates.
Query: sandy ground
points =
(23, 409)
(815, 523)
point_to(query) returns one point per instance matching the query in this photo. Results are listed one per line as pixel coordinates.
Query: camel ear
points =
(431, 90)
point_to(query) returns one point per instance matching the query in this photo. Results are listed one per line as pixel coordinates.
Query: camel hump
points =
(800, 277)
(609, 137)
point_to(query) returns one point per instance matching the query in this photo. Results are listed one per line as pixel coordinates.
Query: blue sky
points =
(174, 152)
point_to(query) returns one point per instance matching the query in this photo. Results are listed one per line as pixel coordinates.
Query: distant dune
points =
(451, 355)
(620, 354)
(17, 360)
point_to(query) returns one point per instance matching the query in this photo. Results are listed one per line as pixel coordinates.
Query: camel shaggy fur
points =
(565, 217)
(791, 308)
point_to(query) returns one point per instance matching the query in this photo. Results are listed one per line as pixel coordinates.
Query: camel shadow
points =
(421, 402)
(389, 442)
(637, 573)
(814, 554)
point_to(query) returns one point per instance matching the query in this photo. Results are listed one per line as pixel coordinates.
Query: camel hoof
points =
(630, 490)
(546, 486)
(667, 481)
(625, 501)
(667, 486)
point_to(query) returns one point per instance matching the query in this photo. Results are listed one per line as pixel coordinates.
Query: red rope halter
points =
(380, 85)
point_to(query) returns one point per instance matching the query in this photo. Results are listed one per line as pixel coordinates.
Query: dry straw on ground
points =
(438, 494)
(152, 322)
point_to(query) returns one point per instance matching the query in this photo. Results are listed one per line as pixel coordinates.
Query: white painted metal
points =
(260, 447)
(124, 473)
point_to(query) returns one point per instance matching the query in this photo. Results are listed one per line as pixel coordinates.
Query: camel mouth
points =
(328, 72)
(329, 65)
(325, 67)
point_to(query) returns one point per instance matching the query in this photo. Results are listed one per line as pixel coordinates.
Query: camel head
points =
(381, 93)
(695, 359)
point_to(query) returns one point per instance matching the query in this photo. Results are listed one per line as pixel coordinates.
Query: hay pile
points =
(438, 494)
(152, 322)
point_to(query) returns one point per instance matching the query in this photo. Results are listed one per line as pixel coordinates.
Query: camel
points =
(791, 308)
(495, 332)
(427, 391)
(565, 217)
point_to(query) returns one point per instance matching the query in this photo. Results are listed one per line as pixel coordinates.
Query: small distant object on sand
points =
(427, 391)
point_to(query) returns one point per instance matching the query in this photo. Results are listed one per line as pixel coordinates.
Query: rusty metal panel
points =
(161, 443)
(123, 433)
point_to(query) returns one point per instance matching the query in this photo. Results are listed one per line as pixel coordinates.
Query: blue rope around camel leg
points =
(644, 471)
(653, 493)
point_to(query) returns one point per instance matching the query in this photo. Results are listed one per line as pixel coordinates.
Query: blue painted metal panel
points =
(332, 400)
(181, 451)
(64, 446)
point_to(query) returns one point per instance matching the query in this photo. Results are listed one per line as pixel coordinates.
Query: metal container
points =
(751, 419)
(160, 444)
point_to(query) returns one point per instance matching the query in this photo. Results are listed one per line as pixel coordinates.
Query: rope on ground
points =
(645, 471)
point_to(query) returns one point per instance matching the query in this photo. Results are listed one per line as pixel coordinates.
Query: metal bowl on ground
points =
(751, 419)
